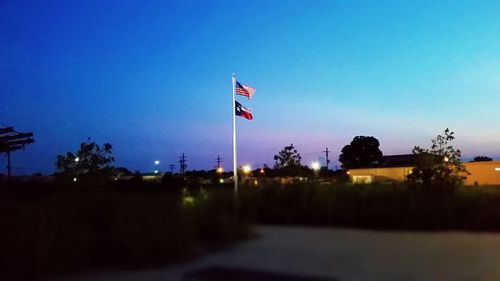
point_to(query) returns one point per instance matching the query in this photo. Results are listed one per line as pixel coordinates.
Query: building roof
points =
(400, 160)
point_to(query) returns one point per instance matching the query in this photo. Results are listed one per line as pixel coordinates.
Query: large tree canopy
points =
(288, 162)
(362, 152)
(89, 159)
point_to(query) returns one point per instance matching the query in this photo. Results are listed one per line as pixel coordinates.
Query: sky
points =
(153, 78)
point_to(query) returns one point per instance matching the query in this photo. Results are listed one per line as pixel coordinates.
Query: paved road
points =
(293, 253)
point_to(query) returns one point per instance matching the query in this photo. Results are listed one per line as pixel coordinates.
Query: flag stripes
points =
(244, 90)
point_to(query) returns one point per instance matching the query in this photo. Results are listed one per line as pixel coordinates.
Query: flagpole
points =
(235, 170)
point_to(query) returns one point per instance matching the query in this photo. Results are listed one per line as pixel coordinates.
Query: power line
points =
(327, 160)
(218, 160)
(183, 164)
(172, 166)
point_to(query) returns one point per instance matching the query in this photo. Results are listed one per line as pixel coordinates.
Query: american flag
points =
(244, 90)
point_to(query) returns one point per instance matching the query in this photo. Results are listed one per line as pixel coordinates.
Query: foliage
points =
(363, 151)
(288, 162)
(90, 159)
(482, 159)
(377, 206)
(52, 229)
(439, 167)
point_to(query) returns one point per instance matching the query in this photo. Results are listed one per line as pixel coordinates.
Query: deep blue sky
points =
(154, 77)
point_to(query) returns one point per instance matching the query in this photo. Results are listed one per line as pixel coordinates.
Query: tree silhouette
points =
(89, 159)
(482, 159)
(288, 161)
(440, 166)
(361, 152)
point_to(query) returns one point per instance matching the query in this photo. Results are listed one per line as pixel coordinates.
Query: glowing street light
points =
(157, 162)
(315, 166)
(246, 169)
(77, 159)
(219, 170)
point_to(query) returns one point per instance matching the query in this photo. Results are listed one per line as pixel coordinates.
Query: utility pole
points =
(182, 163)
(8, 164)
(218, 160)
(327, 160)
(172, 166)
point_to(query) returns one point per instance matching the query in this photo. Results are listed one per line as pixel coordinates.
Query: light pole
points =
(315, 166)
(157, 162)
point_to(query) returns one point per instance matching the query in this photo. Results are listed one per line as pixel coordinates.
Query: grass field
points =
(47, 230)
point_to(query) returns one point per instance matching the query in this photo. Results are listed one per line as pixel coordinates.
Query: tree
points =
(362, 152)
(288, 161)
(90, 159)
(440, 166)
(482, 159)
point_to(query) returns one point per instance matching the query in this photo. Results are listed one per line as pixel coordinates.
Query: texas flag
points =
(242, 111)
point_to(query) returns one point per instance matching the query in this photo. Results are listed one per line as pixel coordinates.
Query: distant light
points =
(256, 182)
(315, 166)
(157, 162)
(262, 171)
(188, 200)
(74, 179)
(446, 159)
(348, 172)
(220, 170)
(221, 181)
(156, 171)
(497, 169)
(77, 159)
(247, 169)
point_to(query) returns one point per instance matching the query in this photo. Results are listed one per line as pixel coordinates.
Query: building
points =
(398, 167)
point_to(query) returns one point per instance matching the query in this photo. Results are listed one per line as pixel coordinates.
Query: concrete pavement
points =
(298, 253)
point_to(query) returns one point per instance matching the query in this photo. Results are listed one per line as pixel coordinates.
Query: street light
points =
(157, 162)
(246, 169)
(220, 170)
(315, 166)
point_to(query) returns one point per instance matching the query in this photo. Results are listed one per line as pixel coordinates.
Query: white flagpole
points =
(235, 168)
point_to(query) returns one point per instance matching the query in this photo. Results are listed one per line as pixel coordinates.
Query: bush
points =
(395, 206)
(438, 169)
(63, 228)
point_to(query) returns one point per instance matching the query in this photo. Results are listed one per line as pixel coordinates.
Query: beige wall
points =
(483, 173)
(379, 174)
